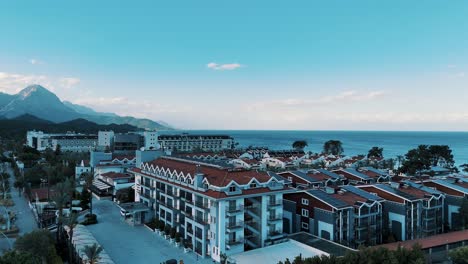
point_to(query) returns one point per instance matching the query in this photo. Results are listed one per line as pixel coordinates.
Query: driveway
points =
(133, 244)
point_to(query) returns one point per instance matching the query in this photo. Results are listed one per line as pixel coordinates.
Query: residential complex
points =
(67, 142)
(187, 142)
(216, 209)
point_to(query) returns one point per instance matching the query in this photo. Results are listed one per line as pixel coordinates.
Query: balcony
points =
(233, 242)
(202, 220)
(234, 226)
(230, 210)
(275, 203)
(274, 234)
(275, 218)
(201, 204)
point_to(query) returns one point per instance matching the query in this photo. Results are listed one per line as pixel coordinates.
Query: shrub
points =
(167, 229)
(90, 219)
(173, 232)
(177, 237)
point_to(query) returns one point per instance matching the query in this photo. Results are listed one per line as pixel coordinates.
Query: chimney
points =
(198, 179)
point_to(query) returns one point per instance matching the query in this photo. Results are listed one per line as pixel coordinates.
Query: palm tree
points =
(61, 198)
(92, 253)
(88, 183)
(71, 222)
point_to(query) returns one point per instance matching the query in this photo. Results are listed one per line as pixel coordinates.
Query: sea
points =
(394, 143)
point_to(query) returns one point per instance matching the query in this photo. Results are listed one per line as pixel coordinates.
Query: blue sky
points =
(345, 65)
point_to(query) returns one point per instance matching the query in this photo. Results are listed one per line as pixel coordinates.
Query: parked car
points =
(170, 261)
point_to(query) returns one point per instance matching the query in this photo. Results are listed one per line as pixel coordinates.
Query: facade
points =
(411, 210)
(68, 141)
(128, 142)
(105, 139)
(83, 167)
(349, 216)
(217, 210)
(186, 142)
(455, 191)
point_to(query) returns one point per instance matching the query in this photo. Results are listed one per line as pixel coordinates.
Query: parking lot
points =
(133, 244)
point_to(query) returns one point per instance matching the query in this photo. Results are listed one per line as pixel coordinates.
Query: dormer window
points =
(253, 185)
(205, 186)
(232, 188)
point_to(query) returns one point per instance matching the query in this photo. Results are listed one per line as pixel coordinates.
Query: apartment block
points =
(216, 209)
(411, 210)
(348, 216)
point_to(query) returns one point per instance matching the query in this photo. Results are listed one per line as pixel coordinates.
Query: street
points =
(24, 218)
(129, 244)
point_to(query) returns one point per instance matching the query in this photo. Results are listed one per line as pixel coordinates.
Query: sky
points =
(288, 65)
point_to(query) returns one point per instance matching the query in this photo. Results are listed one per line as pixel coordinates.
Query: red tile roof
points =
(116, 175)
(432, 241)
(215, 175)
(349, 198)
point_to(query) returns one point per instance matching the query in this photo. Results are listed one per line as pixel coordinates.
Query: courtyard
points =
(133, 244)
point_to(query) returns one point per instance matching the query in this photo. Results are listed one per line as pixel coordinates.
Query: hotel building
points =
(216, 209)
(186, 142)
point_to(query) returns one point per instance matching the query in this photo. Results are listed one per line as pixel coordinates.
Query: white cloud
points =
(13, 82)
(36, 62)
(69, 82)
(222, 67)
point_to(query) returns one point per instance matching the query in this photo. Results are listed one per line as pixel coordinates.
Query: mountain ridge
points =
(38, 101)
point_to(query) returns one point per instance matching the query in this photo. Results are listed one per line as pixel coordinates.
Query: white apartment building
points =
(68, 141)
(186, 142)
(217, 210)
(105, 139)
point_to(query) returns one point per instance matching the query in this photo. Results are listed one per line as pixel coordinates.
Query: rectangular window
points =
(305, 225)
(232, 188)
(305, 212)
(305, 201)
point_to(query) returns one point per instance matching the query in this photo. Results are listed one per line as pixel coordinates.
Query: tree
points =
(334, 147)
(463, 211)
(464, 167)
(71, 222)
(375, 152)
(299, 144)
(459, 255)
(58, 150)
(441, 156)
(92, 253)
(15, 257)
(417, 160)
(40, 244)
(88, 177)
(61, 198)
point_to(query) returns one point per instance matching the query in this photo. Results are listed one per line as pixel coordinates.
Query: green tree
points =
(58, 150)
(15, 257)
(89, 178)
(441, 155)
(299, 144)
(464, 167)
(334, 147)
(459, 255)
(71, 222)
(61, 198)
(40, 244)
(417, 160)
(92, 253)
(375, 152)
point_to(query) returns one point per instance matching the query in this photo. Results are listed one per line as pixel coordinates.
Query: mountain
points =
(16, 128)
(86, 110)
(40, 102)
(5, 99)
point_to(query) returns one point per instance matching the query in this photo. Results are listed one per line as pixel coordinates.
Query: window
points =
(305, 225)
(305, 201)
(305, 212)
(253, 185)
(232, 188)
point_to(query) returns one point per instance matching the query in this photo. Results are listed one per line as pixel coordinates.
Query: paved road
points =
(137, 245)
(24, 217)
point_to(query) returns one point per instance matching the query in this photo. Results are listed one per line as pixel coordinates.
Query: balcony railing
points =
(237, 241)
(236, 224)
(234, 209)
(201, 220)
(275, 217)
(275, 233)
(275, 203)
(201, 204)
